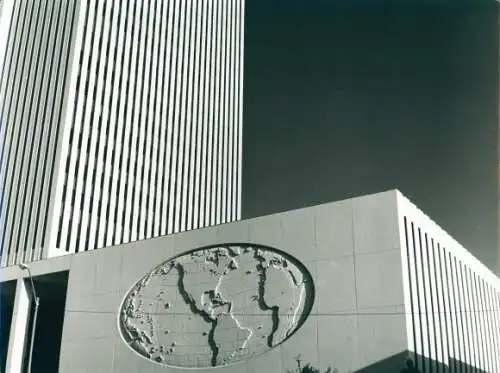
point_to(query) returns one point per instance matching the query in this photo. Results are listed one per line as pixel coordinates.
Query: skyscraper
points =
(120, 120)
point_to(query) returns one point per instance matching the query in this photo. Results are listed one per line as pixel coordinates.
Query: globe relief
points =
(216, 306)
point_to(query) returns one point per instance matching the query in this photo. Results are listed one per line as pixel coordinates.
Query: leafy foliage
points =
(308, 368)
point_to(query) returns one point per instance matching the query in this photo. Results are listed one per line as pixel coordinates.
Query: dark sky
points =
(344, 98)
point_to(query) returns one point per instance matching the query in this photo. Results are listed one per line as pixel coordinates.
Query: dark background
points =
(7, 295)
(350, 97)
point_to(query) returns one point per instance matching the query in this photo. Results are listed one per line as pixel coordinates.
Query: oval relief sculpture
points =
(216, 305)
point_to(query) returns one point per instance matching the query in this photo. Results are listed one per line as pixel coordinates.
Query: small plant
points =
(308, 368)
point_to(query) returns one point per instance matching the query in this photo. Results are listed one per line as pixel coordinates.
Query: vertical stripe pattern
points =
(121, 120)
(454, 312)
(156, 126)
(33, 85)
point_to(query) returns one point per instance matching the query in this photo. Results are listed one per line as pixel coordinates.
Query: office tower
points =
(373, 95)
(121, 120)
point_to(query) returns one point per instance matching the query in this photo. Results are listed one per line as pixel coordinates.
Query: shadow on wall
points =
(458, 366)
(7, 295)
(51, 290)
(398, 363)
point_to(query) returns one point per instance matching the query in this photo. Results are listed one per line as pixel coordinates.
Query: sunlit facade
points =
(121, 121)
(359, 285)
(452, 300)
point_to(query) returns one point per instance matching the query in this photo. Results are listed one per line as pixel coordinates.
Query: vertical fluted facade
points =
(35, 58)
(149, 140)
(452, 300)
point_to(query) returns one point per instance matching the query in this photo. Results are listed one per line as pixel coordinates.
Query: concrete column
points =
(497, 269)
(19, 330)
(6, 11)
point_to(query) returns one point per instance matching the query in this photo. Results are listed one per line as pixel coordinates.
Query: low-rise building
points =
(360, 285)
